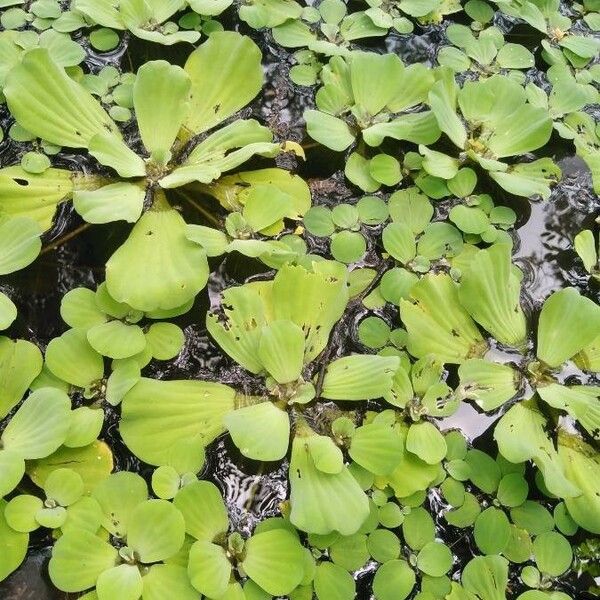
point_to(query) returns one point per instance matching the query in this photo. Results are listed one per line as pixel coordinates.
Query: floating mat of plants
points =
(299, 300)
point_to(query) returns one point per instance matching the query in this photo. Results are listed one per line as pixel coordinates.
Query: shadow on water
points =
(543, 245)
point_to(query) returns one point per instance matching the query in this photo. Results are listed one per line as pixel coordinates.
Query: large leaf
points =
(118, 495)
(179, 267)
(40, 425)
(489, 384)
(113, 202)
(328, 130)
(226, 73)
(13, 546)
(165, 580)
(568, 322)
(260, 431)
(521, 436)
(437, 323)
(359, 377)
(156, 415)
(582, 466)
(48, 103)
(281, 350)
(123, 581)
(20, 363)
(34, 195)
(275, 561)
(78, 559)
(486, 576)
(323, 502)
(582, 402)
(313, 299)
(160, 97)
(209, 569)
(203, 510)
(19, 243)
(490, 291)
(376, 447)
(71, 358)
(156, 530)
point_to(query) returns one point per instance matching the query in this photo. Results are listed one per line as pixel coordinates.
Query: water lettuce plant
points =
(73, 118)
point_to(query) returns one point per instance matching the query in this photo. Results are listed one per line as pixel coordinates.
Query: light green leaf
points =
(359, 377)
(203, 510)
(487, 577)
(275, 561)
(281, 350)
(328, 130)
(161, 95)
(489, 384)
(123, 582)
(71, 358)
(376, 447)
(78, 559)
(260, 431)
(490, 291)
(13, 545)
(394, 580)
(521, 436)
(156, 530)
(425, 441)
(209, 569)
(20, 363)
(568, 322)
(333, 583)
(19, 243)
(179, 267)
(48, 103)
(323, 502)
(156, 415)
(113, 202)
(222, 87)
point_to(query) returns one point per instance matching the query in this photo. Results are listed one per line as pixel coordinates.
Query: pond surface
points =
(543, 250)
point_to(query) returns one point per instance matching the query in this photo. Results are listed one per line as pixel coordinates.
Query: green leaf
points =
(20, 513)
(489, 384)
(333, 583)
(78, 559)
(40, 425)
(260, 431)
(553, 554)
(111, 151)
(161, 94)
(376, 447)
(347, 506)
(328, 130)
(582, 466)
(359, 377)
(157, 415)
(434, 559)
(484, 471)
(64, 486)
(13, 545)
(580, 401)
(490, 291)
(164, 580)
(393, 581)
(436, 322)
(179, 267)
(121, 380)
(418, 528)
(19, 243)
(275, 561)
(20, 363)
(155, 531)
(521, 436)
(492, 531)
(71, 358)
(48, 103)
(486, 576)
(568, 322)
(350, 552)
(12, 469)
(469, 219)
(426, 441)
(165, 340)
(528, 179)
(281, 350)
(585, 246)
(442, 99)
(221, 88)
(203, 510)
(399, 242)
(124, 581)
(118, 496)
(37, 199)
(512, 490)
(78, 309)
(113, 202)
(116, 339)
(209, 569)
(412, 207)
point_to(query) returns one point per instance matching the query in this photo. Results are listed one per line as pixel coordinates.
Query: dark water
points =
(543, 250)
